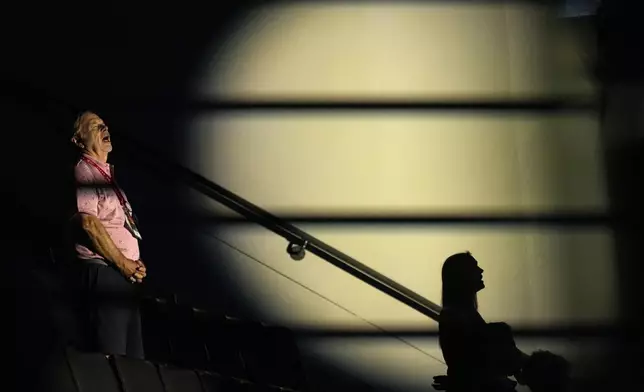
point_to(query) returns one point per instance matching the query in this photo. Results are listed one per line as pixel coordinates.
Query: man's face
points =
(95, 135)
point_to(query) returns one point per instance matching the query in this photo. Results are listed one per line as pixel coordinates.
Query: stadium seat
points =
(222, 339)
(179, 380)
(137, 375)
(155, 314)
(272, 357)
(187, 342)
(92, 372)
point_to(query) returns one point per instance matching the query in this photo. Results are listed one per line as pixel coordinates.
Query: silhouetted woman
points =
(479, 356)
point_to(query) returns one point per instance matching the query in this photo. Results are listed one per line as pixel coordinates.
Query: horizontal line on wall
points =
(299, 105)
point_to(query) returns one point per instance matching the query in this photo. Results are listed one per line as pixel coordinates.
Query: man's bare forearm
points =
(101, 240)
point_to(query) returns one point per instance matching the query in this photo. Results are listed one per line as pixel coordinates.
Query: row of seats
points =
(76, 371)
(187, 337)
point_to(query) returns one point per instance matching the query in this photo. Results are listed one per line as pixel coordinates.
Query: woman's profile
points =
(479, 356)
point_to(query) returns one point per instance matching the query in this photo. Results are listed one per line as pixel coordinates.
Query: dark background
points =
(118, 58)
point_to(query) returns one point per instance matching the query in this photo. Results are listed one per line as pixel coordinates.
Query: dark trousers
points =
(108, 310)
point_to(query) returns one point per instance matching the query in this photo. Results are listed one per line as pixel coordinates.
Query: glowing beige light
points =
(353, 162)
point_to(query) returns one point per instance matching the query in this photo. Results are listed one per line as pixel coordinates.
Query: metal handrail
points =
(295, 236)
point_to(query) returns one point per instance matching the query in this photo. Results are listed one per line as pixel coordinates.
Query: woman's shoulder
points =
(452, 315)
(455, 315)
(451, 311)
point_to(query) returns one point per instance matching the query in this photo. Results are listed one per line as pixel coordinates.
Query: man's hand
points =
(140, 271)
(133, 270)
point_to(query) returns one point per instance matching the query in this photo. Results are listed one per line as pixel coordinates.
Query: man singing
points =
(107, 268)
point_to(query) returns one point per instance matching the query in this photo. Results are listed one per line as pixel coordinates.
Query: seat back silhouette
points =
(155, 316)
(212, 382)
(92, 372)
(222, 339)
(187, 340)
(137, 375)
(179, 380)
(56, 375)
(272, 357)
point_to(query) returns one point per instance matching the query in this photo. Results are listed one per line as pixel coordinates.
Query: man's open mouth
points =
(106, 138)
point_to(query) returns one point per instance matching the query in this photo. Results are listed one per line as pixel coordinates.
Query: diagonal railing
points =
(291, 233)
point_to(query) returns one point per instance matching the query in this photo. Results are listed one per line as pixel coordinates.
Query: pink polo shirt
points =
(103, 203)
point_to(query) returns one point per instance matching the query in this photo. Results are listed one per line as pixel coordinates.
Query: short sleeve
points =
(86, 195)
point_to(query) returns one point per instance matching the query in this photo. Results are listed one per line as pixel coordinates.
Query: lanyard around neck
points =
(129, 216)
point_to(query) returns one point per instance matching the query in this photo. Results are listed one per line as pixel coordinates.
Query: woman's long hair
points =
(455, 291)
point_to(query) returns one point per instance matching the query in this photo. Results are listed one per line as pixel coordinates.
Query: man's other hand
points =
(132, 270)
(141, 267)
(141, 271)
